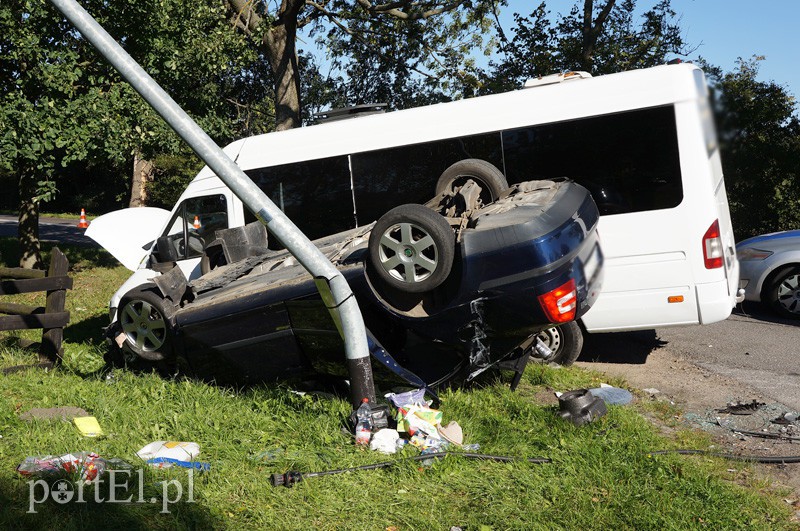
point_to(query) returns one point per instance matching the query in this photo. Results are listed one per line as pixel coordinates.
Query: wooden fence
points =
(51, 318)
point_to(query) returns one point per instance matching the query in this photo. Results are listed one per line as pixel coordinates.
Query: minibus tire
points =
(565, 340)
(770, 294)
(145, 318)
(485, 174)
(386, 242)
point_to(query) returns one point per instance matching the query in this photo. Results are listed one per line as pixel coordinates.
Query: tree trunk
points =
(279, 46)
(591, 30)
(281, 51)
(28, 229)
(142, 174)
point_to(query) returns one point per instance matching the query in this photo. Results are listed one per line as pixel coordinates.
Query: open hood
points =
(129, 233)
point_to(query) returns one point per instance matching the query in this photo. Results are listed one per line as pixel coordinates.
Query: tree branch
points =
(357, 35)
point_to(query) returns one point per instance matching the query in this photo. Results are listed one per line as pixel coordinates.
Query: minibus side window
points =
(192, 228)
(387, 178)
(314, 194)
(629, 161)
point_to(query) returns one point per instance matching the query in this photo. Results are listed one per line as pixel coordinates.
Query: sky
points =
(724, 30)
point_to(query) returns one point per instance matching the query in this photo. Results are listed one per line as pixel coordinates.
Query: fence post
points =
(50, 349)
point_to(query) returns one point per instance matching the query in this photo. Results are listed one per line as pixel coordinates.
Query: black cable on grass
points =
(291, 477)
(775, 460)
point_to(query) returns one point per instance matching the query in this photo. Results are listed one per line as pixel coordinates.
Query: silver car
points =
(770, 271)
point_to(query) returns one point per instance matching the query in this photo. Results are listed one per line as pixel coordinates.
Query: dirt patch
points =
(701, 394)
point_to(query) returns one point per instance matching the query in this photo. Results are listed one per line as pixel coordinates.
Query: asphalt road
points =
(50, 230)
(752, 346)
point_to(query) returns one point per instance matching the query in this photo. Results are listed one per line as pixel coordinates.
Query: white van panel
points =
(641, 309)
(716, 299)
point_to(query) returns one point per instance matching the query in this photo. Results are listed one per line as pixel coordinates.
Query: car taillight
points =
(560, 304)
(712, 246)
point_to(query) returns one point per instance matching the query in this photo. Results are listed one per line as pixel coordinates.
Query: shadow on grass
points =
(21, 512)
(90, 330)
(620, 347)
(80, 257)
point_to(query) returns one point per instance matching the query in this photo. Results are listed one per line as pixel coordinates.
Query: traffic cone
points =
(83, 224)
(196, 223)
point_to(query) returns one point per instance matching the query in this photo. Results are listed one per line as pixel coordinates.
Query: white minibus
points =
(643, 142)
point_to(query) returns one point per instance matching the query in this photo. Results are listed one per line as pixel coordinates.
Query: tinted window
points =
(629, 161)
(314, 194)
(387, 178)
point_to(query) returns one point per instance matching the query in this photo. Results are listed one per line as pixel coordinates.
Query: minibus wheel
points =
(144, 317)
(486, 175)
(566, 342)
(411, 248)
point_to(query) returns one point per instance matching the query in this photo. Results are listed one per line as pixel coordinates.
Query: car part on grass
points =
(581, 407)
(490, 179)
(346, 308)
(291, 477)
(412, 248)
(775, 460)
(566, 342)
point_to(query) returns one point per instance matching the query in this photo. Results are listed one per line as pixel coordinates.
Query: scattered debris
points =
(62, 413)
(786, 419)
(612, 396)
(742, 408)
(385, 441)
(87, 466)
(651, 391)
(165, 454)
(88, 426)
(581, 407)
(288, 479)
(452, 433)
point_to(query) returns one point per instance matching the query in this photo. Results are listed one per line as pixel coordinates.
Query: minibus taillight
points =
(712, 246)
(559, 305)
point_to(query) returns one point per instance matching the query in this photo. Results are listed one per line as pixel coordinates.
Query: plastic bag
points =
(87, 466)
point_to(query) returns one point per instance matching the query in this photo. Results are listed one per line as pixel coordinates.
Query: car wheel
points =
(144, 318)
(411, 248)
(782, 292)
(486, 175)
(566, 342)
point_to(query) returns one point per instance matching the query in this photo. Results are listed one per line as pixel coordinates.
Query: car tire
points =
(486, 175)
(411, 248)
(566, 342)
(782, 292)
(144, 317)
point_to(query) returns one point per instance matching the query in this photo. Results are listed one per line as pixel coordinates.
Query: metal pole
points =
(353, 329)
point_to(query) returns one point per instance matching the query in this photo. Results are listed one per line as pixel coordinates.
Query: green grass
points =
(601, 476)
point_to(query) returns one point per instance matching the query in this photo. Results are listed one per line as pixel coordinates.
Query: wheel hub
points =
(789, 294)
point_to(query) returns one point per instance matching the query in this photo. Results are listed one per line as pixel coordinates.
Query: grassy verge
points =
(601, 476)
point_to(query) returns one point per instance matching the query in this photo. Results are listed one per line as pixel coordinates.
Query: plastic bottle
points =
(363, 423)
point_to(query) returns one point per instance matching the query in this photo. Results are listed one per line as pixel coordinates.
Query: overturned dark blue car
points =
(447, 290)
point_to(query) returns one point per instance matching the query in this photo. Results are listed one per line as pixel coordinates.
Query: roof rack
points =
(556, 78)
(349, 112)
